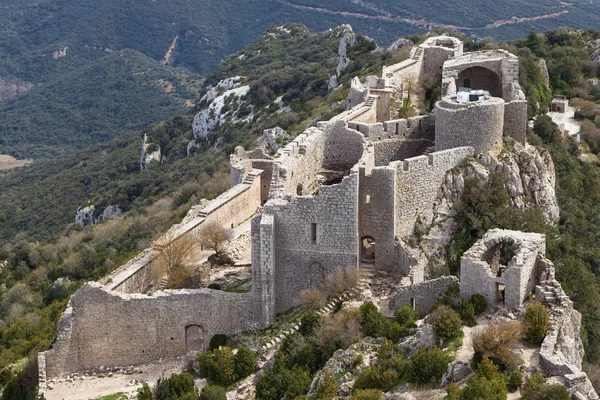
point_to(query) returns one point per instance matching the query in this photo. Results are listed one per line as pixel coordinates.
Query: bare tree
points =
(175, 259)
(409, 84)
(213, 235)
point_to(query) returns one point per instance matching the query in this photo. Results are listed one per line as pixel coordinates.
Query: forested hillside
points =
(75, 33)
(118, 93)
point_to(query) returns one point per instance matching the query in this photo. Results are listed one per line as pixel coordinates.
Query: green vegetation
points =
(487, 383)
(446, 322)
(536, 388)
(119, 93)
(176, 387)
(213, 392)
(537, 322)
(221, 366)
(427, 365)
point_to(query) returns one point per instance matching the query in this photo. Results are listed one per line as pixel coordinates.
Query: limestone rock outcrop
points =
(530, 181)
(88, 216)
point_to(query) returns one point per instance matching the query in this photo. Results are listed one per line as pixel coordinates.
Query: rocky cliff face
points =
(89, 216)
(530, 181)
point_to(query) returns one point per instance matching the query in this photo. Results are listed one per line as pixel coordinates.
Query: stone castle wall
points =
(418, 180)
(110, 329)
(314, 236)
(422, 296)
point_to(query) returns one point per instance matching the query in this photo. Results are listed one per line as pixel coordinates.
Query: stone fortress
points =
(347, 191)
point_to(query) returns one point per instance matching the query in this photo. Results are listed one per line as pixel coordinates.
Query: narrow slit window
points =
(313, 233)
(367, 199)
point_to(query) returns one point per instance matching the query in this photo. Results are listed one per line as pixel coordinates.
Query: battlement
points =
(439, 159)
(414, 127)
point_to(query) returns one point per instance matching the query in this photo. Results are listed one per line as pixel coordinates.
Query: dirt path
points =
(93, 386)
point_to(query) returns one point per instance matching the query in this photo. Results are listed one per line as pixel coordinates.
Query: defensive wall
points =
(424, 295)
(306, 238)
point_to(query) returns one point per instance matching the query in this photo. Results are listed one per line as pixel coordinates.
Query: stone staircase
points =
(550, 292)
(250, 177)
(429, 150)
(416, 54)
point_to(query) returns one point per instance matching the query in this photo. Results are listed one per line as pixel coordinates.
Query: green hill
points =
(31, 32)
(120, 92)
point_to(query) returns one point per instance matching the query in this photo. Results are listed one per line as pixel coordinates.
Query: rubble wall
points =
(106, 328)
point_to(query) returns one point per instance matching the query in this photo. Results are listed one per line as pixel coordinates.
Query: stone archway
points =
(194, 338)
(367, 249)
(480, 78)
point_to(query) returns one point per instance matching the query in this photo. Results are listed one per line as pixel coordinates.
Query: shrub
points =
(373, 322)
(176, 387)
(537, 322)
(515, 379)
(367, 394)
(453, 391)
(427, 364)
(213, 392)
(488, 383)
(497, 342)
(282, 382)
(405, 315)
(311, 300)
(536, 388)
(446, 322)
(377, 378)
(214, 286)
(327, 388)
(218, 366)
(217, 341)
(308, 324)
(479, 303)
(244, 361)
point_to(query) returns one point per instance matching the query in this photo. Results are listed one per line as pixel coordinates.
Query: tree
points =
(213, 235)
(409, 84)
(427, 364)
(488, 383)
(176, 254)
(498, 342)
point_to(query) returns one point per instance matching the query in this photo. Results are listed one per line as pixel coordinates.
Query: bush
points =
(488, 383)
(536, 388)
(479, 303)
(446, 322)
(327, 388)
(428, 364)
(213, 392)
(308, 324)
(282, 382)
(217, 341)
(367, 394)
(515, 379)
(386, 373)
(311, 300)
(453, 391)
(405, 315)
(537, 323)
(214, 286)
(244, 361)
(176, 387)
(218, 366)
(498, 343)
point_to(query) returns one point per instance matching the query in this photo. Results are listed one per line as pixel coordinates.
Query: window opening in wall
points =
(231, 226)
(467, 83)
(313, 233)
(367, 249)
(367, 199)
(413, 304)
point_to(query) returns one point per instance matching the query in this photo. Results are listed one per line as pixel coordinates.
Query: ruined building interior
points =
(344, 192)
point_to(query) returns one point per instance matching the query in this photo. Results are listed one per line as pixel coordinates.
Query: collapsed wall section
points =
(313, 237)
(418, 180)
(106, 328)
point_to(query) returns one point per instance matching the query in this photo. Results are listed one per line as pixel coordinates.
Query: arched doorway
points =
(194, 338)
(479, 78)
(367, 249)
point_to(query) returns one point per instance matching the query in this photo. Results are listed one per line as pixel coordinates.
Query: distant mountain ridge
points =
(42, 39)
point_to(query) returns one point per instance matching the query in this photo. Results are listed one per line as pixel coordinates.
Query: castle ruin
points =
(345, 192)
